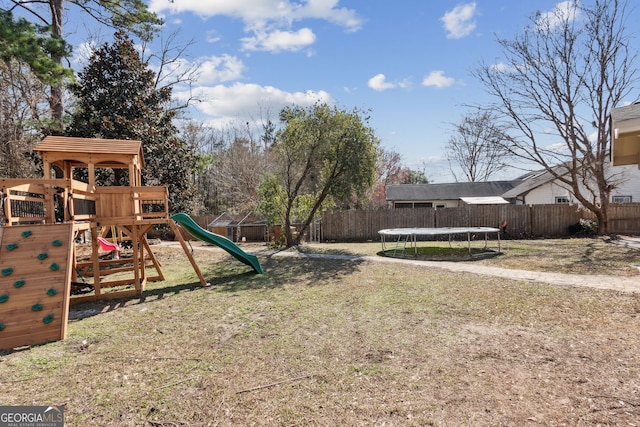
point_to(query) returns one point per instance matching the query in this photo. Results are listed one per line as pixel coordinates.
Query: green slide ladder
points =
(206, 236)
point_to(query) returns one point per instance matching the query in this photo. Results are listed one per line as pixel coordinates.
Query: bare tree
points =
(231, 166)
(561, 78)
(173, 64)
(23, 107)
(476, 146)
(240, 171)
(389, 170)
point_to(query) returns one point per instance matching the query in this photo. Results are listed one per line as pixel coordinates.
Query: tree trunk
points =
(602, 216)
(56, 103)
(288, 235)
(307, 223)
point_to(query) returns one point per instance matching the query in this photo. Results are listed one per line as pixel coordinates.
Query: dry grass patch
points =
(339, 342)
(574, 256)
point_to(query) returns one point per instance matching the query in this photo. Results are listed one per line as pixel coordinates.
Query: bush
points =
(584, 226)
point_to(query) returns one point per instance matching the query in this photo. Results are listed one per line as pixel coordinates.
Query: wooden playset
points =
(44, 217)
(34, 284)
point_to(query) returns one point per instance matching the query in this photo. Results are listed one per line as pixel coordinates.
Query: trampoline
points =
(407, 237)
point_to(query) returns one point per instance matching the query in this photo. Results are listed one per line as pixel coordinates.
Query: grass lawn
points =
(573, 256)
(332, 342)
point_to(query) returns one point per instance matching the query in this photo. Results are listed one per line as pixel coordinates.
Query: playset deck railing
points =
(121, 205)
(47, 201)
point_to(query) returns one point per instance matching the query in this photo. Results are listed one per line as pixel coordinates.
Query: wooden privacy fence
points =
(521, 221)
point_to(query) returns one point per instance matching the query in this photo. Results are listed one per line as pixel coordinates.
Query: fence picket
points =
(520, 220)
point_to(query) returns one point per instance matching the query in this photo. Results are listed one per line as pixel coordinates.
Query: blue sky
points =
(409, 62)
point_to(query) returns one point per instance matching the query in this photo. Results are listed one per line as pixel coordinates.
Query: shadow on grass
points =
(594, 257)
(225, 276)
(328, 251)
(278, 271)
(448, 254)
(93, 308)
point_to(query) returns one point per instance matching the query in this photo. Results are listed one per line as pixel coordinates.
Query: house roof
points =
(451, 191)
(223, 220)
(628, 112)
(531, 181)
(226, 219)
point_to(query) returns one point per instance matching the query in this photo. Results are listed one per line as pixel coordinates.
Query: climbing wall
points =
(35, 280)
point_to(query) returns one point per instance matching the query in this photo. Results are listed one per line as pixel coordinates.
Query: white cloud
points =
(557, 148)
(267, 21)
(260, 11)
(82, 53)
(437, 79)
(204, 70)
(212, 36)
(223, 104)
(501, 67)
(277, 40)
(217, 69)
(379, 83)
(459, 22)
(405, 84)
(247, 10)
(326, 9)
(565, 11)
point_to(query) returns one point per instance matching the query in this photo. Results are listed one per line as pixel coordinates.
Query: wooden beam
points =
(154, 260)
(178, 234)
(96, 261)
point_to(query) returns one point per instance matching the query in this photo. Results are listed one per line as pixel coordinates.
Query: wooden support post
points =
(178, 234)
(50, 204)
(138, 259)
(96, 260)
(154, 260)
(6, 200)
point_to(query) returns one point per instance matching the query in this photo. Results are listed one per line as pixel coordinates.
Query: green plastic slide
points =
(206, 236)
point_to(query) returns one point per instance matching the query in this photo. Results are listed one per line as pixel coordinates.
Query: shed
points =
(238, 228)
(224, 225)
